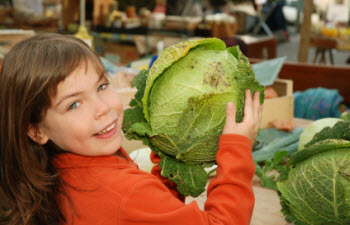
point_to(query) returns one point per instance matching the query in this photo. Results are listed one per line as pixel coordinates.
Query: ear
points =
(37, 135)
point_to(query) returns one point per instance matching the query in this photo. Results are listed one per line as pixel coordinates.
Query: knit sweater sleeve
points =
(230, 195)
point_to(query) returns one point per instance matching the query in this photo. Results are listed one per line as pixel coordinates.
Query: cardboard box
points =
(281, 108)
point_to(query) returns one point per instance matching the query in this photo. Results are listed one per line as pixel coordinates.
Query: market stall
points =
(178, 63)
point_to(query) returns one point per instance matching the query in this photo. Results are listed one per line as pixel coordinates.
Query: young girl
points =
(61, 155)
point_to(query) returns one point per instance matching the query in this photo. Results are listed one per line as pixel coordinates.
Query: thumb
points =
(230, 114)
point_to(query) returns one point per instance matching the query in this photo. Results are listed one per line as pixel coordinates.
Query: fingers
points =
(260, 113)
(248, 106)
(230, 122)
(252, 117)
(252, 107)
(230, 113)
(256, 105)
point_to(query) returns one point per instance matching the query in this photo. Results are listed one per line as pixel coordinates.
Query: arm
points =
(230, 194)
(233, 183)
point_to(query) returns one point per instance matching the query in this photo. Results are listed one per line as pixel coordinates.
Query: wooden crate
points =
(281, 108)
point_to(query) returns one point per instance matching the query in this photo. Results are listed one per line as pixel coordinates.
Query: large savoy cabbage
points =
(179, 109)
(315, 188)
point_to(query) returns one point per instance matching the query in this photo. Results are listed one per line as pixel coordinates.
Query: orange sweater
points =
(112, 190)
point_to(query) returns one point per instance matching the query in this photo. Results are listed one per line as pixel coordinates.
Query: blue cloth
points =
(317, 103)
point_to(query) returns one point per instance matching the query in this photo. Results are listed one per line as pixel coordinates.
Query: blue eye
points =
(101, 87)
(74, 105)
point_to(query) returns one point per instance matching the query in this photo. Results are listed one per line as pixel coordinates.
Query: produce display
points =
(314, 186)
(271, 140)
(314, 128)
(179, 108)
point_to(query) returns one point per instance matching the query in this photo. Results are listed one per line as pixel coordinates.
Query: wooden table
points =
(327, 44)
(323, 45)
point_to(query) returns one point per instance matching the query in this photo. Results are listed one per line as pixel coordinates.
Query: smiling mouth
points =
(107, 129)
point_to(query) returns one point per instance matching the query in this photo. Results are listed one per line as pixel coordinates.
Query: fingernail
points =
(230, 105)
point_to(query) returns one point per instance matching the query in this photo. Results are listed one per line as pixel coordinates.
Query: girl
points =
(61, 156)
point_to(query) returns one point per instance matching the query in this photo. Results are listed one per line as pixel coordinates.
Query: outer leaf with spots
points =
(182, 111)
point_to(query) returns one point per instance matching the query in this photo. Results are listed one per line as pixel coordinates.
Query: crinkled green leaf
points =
(190, 179)
(317, 148)
(313, 128)
(246, 73)
(135, 114)
(200, 126)
(341, 130)
(139, 82)
(316, 191)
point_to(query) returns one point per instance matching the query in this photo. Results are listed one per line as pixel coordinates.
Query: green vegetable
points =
(283, 141)
(268, 179)
(313, 128)
(345, 116)
(179, 109)
(315, 187)
(271, 148)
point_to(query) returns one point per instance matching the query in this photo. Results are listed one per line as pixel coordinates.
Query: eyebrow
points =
(77, 93)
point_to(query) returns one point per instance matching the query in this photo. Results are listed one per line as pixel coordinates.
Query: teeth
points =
(107, 129)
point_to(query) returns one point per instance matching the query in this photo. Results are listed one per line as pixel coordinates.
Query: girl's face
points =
(85, 116)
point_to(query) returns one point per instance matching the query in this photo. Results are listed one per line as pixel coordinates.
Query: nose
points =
(101, 106)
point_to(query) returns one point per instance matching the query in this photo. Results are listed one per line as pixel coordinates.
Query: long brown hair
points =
(29, 77)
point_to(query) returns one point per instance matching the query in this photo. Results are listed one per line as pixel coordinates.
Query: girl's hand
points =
(252, 116)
